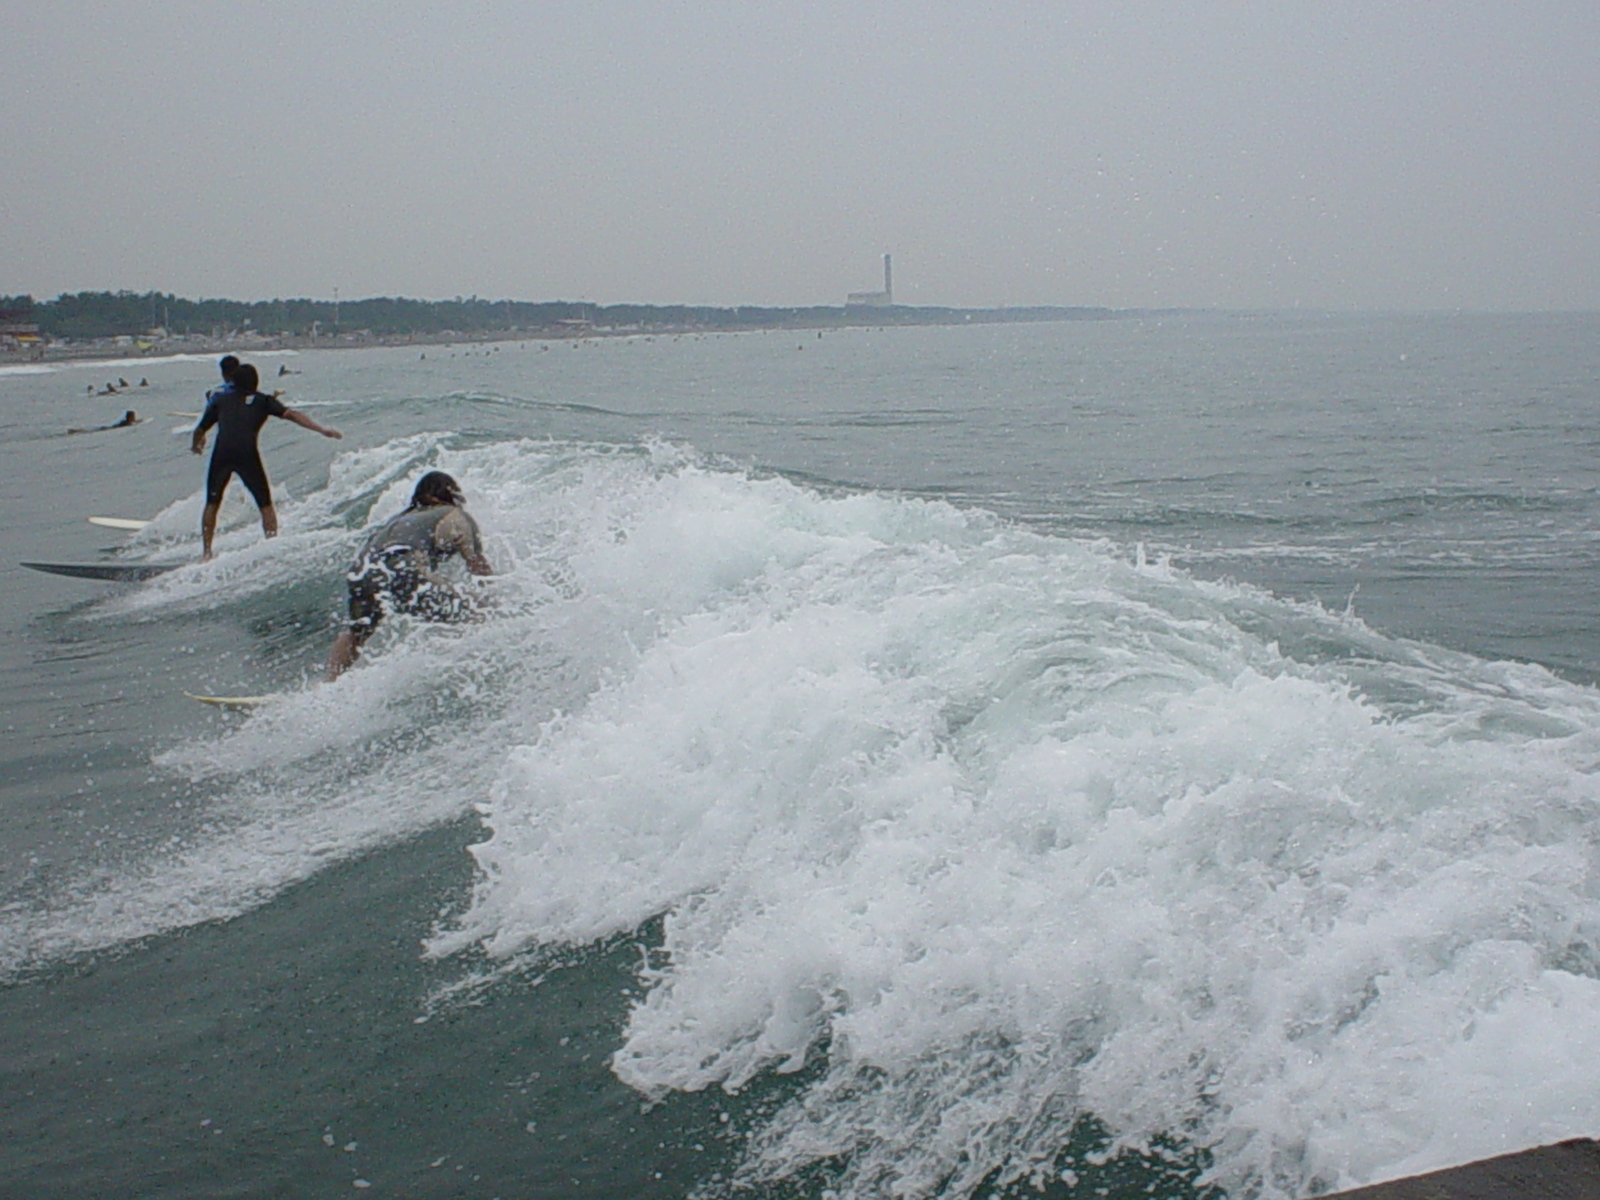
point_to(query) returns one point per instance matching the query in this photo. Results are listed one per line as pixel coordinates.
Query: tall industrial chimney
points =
(888, 282)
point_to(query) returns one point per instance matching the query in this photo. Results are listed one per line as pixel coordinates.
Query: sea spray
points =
(1002, 831)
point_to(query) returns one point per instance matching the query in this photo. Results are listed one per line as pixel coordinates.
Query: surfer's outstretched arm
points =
(305, 422)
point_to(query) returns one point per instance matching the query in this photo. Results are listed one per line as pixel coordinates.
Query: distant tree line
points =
(115, 314)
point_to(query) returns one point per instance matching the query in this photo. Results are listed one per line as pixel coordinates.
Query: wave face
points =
(994, 831)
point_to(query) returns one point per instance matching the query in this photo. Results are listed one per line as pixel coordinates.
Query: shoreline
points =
(133, 350)
(179, 349)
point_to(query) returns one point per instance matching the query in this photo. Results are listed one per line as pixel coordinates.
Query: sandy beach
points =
(133, 351)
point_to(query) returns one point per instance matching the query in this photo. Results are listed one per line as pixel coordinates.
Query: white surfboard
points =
(236, 703)
(190, 415)
(128, 523)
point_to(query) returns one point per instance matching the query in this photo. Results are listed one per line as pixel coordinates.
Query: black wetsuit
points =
(395, 569)
(238, 418)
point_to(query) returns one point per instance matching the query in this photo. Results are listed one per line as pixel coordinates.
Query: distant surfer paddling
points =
(128, 418)
(396, 570)
(239, 411)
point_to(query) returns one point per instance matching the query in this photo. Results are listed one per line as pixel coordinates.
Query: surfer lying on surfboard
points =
(396, 569)
(128, 418)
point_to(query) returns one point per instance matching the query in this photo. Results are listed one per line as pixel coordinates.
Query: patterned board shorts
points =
(387, 583)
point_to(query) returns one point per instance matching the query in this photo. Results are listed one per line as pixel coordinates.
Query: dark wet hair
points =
(228, 365)
(245, 379)
(436, 488)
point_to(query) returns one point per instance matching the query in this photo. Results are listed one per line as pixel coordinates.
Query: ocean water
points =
(1151, 757)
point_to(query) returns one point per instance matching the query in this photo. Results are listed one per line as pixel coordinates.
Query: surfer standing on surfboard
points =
(395, 571)
(239, 411)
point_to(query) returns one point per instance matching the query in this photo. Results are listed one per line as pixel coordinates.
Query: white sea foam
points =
(993, 829)
(1008, 830)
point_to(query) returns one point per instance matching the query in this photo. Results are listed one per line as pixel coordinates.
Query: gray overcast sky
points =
(1340, 154)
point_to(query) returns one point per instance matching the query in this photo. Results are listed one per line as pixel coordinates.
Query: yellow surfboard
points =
(235, 703)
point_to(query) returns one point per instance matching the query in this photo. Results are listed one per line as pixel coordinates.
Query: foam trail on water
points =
(1003, 830)
(404, 742)
(413, 736)
(318, 537)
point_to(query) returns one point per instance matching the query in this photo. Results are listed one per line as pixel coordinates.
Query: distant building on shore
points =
(18, 331)
(881, 299)
(18, 325)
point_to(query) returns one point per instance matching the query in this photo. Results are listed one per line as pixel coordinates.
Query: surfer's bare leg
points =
(346, 649)
(344, 653)
(208, 528)
(269, 521)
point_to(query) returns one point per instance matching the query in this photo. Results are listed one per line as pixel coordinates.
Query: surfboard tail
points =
(110, 572)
